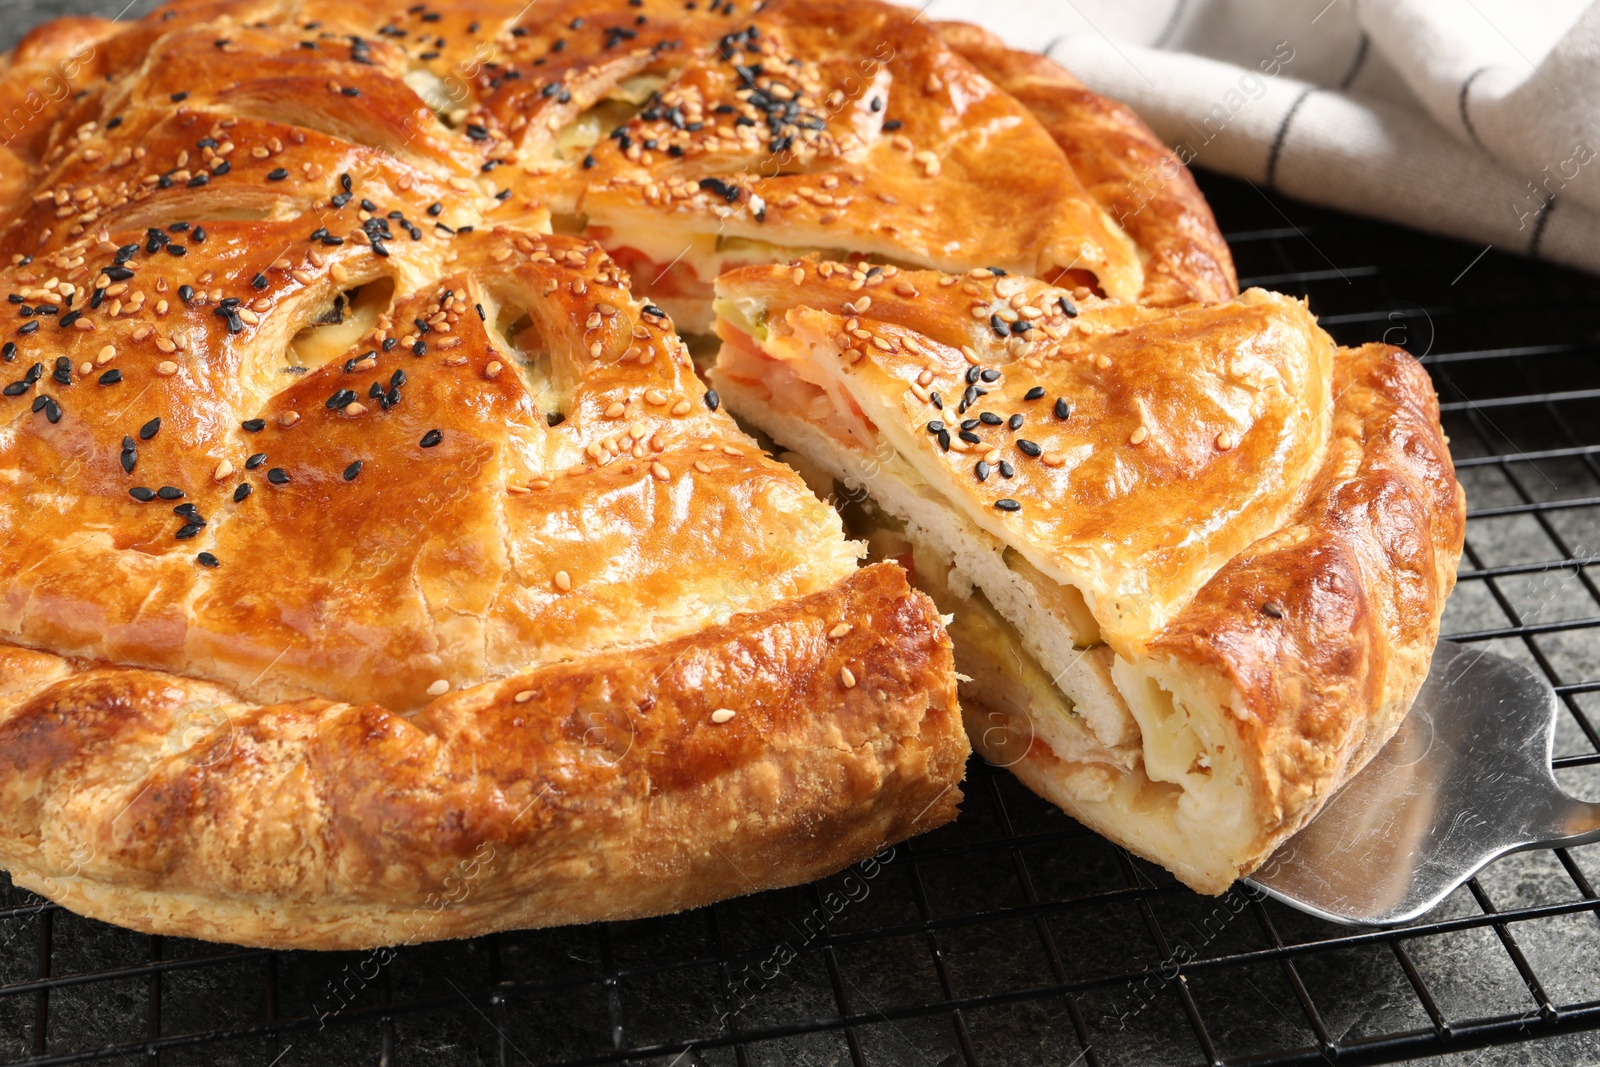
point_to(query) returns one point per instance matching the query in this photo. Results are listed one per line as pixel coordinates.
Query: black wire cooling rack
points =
(1013, 936)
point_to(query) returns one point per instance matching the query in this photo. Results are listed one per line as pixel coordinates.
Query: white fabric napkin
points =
(1479, 119)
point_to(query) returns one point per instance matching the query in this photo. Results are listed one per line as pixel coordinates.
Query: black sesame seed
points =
(187, 530)
(970, 424)
(420, 348)
(350, 90)
(1067, 307)
(972, 374)
(340, 399)
(278, 476)
(435, 210)
(1271, 608)
(52, 410)
(186, 293)
(199, 179)
(431, 438)
(1015, 423)
(351, 471)
(255, 461)
(35, 372)
(982, 471)
(277, 175)
(712, 399)
(150, 429)
(1062, 410)
(111, 377)
(998, 325)
(397, 379)
(989, 418)
(253, 425)
(241, 492)
(944, 439)
(62, 375)
(1007, 504)
(178, 98)
(142, 494)
(1006, 469)
(8, 351)
(169, 492)
(935, 426)
(190, 512)
(936, 400)
(206, 559)
(892, 125)
(39, 402)
(651, 309)
(1028, 448)
(989, 374)
(29, 327)
(69, 318)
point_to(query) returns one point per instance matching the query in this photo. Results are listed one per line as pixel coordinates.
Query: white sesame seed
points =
(224, 469)
(524, 696)
(166, 369)
(439, 688)
(655, 397)
(847, 677)
(288, 419)
(722, 715)
(492, 371)
(1224, 440)
(1138, 436)
(839, 630)
(661, 473)
(563, 581)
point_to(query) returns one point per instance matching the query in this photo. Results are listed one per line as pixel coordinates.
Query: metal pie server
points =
(1466, 779)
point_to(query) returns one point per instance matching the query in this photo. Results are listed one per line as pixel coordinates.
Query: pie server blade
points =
(1466, 779)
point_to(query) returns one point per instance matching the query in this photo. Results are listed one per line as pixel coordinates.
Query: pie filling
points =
(1135, 748)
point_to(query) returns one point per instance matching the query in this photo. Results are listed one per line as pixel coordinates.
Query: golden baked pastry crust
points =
(316, 454)
(1263, 526)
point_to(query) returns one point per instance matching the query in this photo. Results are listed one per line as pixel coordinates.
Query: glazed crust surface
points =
(319, 450)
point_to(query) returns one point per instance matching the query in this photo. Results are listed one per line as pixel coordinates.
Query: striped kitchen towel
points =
(1479, 119)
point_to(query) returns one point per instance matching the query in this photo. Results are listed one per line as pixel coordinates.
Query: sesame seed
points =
(847, 677)
(655, 397)
(712, 399)
(1273, 609)
(524, 696)
(169, 492)
(253, 425)
(255, 461)
(278, 476)
(1138, 436)
(1015, 422)
(277, 175)
(439, 688)
(563, 581)
(241, 492)
(661, 473)
(492, 371)
(1028, 448)
(431, 438)
(141, 494)
(839, 630)
(111, 377)
(206, 559)
(1054, 459)
(288, 419)
(150, 429)
(224, 469)
(1007, 504)
(722, 715)
(1224, 441)
(1063, 411)
(982, 471)
(352, 471)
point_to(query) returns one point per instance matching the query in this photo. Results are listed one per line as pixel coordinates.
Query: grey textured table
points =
(1011, 899)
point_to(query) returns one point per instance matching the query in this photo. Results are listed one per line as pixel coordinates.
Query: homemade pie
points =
(375, 568)
(1196, 556)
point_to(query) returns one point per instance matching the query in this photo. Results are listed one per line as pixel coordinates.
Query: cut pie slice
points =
(1196, 556)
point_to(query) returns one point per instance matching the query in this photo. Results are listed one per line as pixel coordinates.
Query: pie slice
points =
(1196, 557)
